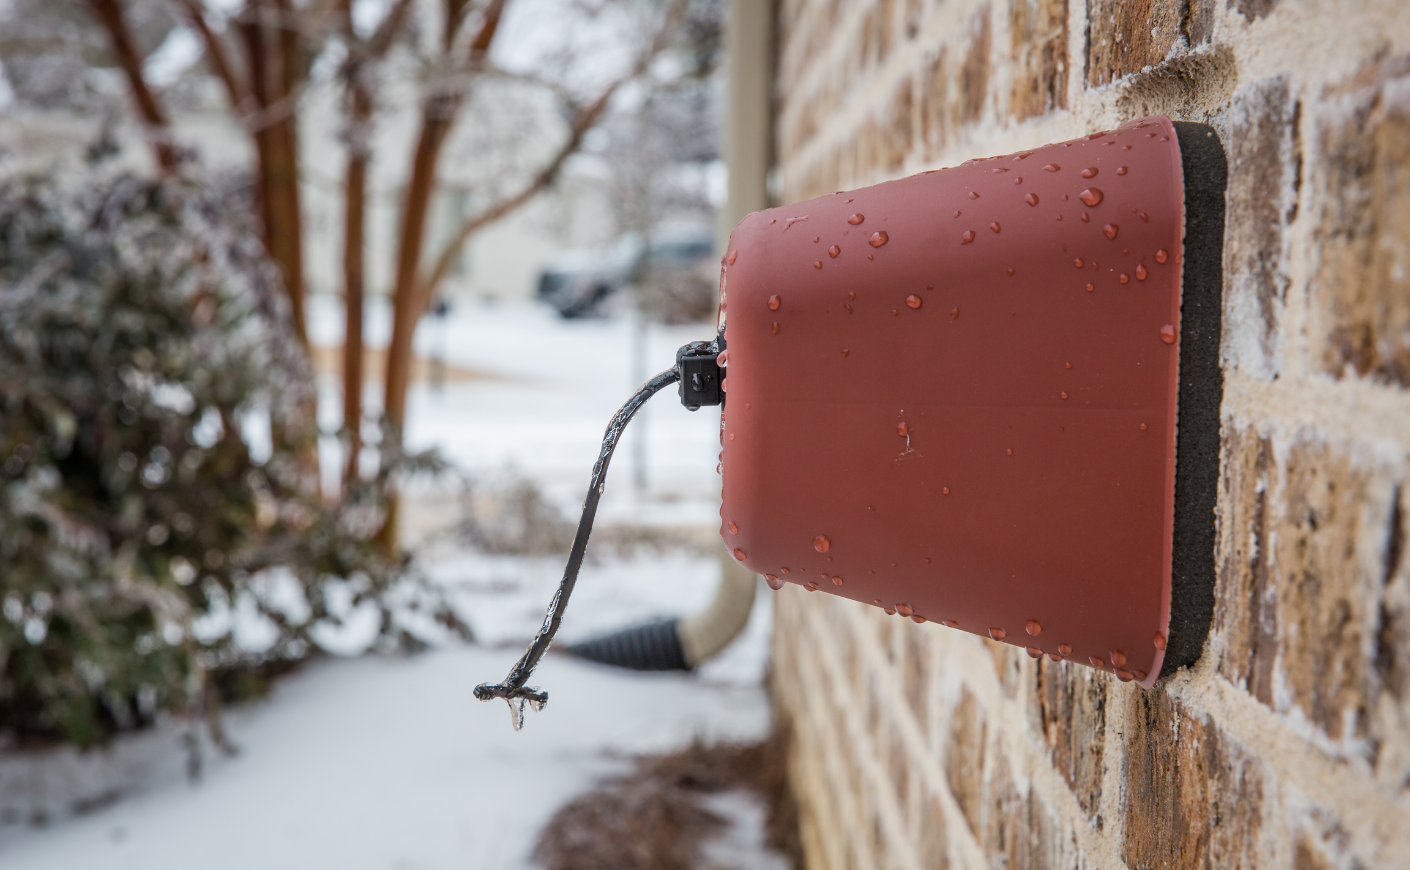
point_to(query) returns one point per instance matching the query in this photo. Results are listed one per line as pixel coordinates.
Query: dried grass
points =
(654, 818)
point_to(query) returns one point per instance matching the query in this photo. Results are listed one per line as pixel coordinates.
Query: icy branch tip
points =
(490, 691)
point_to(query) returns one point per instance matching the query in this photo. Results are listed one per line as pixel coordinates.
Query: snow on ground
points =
(390, 762)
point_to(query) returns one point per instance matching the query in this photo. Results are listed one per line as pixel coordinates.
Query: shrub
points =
(160, 521)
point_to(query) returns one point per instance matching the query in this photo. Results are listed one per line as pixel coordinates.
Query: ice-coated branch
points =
(513, 689)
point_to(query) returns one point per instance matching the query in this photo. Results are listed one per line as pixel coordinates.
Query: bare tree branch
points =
(130, 58)
(220, 61)
(583, 121)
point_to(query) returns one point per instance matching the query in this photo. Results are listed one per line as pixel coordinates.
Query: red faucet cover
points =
(954, 395)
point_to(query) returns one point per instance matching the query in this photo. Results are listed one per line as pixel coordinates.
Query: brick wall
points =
(1288, 745)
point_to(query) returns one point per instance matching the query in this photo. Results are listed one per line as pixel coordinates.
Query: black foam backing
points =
(1201, 392)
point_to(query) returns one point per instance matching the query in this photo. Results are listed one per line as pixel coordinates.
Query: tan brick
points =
(1245, 608)
(1071, 703)
(1038, 29)
(1392, 707)
(1253, 9)
(1362, 166)
(1263, 171)
(937, 118)
(1126, 36)
(964, 758)
(974, 74)
(1193, 799)
(1328, 552)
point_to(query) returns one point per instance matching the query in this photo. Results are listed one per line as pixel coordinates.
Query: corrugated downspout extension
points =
(680, 645)
(654, 646)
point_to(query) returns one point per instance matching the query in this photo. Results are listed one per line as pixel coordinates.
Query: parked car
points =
(675, 274)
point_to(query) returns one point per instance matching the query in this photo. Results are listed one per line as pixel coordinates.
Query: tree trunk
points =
(353, 267)
(405, 296)
(267, 43)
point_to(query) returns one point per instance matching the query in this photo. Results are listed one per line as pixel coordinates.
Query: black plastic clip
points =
(700, 374)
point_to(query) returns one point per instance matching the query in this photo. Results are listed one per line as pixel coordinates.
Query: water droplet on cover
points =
(1089, 172)
(903, 430)
(944, 490)
(1096, 662)
(1064, 649)
(1064, 395)
(1122, 170)
(1118, 657)
(784, 569)
(740, 554)
(1001, 169)
(817, 239)
(836, 581)
(890, 611)
(997, 633)
(822, 543)
(811, 586)
(1051, 167)
(967, 237)
(733, 529)
(733, 255)
(1143, 427)
(1031, 199)
(775, 327)
(856, 219)
(1010, 271)
(1140, 272)
(1140, 675)
(878, 239)
(954, 314)
(913, 301)
(846, 307)
(1034, 652)
(1110, 230)
(917, 618)
(957, 212)
(774, 582)
(1159, 640)
(1123, 278)
(1162, 255)
(1054, 657)
(774, 302)
(1085, 217)
(1091, 196)
(731, 436)
(818, 264)
(1008, 452)
(949, 623)
(1167, 334)
(1032, 626)
(1123, 676)
(1091, 287)
(994, 226)
(904, 609)
(834, 251)
(973, 195)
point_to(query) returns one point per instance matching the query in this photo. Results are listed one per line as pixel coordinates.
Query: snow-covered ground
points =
(390, 762)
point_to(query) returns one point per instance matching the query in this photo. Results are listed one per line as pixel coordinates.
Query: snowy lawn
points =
(390, 762)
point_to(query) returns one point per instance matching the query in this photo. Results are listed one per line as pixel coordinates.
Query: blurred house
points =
(1289, 744)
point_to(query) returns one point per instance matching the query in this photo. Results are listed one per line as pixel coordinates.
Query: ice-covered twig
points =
(513, 689)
